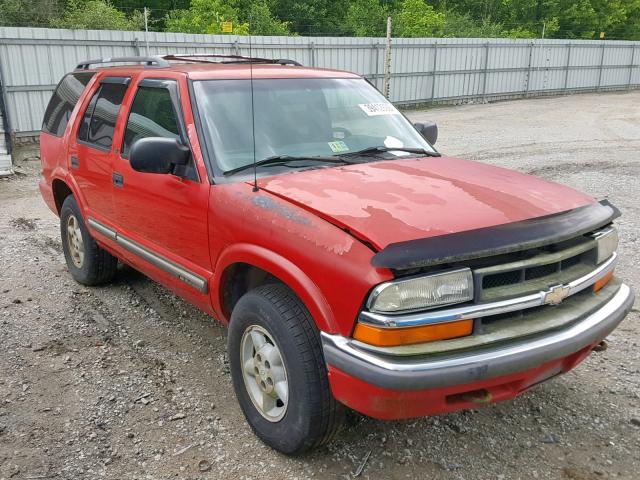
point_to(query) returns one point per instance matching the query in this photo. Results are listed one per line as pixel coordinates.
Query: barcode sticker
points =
(375, 109)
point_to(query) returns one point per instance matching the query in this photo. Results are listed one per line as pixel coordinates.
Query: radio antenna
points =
(253, 115)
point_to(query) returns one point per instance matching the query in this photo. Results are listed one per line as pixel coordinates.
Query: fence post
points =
(600, 71)
(236, 48)
(566, 73)
(387, 61)
(312, 53)
(526, 91)
(631, 66)
(484, 76)
(136, 46)
(4, 115)
(374, 58)
(433, 72)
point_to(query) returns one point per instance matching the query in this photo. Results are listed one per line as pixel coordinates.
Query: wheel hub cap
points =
(264, 373)
(74, 241)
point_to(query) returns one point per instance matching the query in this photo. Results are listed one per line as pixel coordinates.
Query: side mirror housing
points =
(158, 154)
(429, 130)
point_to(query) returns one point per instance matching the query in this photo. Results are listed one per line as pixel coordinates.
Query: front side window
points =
(63, 101)
(152, 115)
(99, 120)
(298, 117)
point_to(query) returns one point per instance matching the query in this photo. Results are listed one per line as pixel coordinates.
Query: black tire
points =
(313, 417)
(98, 266)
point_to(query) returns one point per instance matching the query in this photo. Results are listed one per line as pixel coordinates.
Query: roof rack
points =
(193, 57)
(153, 62)
(163, 61)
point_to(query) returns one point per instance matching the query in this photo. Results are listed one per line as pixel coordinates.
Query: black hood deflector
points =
(496, 240)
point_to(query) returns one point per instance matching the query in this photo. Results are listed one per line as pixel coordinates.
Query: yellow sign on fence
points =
(227, 27)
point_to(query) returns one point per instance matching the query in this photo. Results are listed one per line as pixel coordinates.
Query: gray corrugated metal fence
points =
(425, 70)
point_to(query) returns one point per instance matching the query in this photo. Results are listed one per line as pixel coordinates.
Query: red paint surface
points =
(294, 227)
(396, 200)
(387, 404)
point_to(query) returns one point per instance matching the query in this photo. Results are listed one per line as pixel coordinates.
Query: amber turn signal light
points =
(603, 281)
(392, 337)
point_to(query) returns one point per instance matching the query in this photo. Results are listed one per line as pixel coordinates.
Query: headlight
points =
(607, 241)
(422, 292)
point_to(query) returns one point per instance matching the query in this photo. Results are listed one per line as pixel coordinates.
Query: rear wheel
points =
(87, 262)
(278, 371)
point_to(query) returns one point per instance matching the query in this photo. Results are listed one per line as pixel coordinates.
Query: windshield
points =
(298, 118)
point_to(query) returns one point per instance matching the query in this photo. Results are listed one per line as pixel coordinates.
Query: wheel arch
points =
(62, 186)
(245, 266)
(60, 192)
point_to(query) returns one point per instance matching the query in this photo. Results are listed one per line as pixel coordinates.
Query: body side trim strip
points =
(172, 268)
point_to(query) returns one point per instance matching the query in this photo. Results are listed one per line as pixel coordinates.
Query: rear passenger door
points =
(162, 218)
(91, 157)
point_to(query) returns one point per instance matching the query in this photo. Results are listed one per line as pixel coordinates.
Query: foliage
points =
(366, 18)
(417, 18)
(462, 25)
(205, 16)
(262, 21)
(580, 19)
(97, 15)
(20, 13)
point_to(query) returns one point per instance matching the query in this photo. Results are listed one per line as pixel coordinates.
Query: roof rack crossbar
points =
(152, 62)
(192, 57)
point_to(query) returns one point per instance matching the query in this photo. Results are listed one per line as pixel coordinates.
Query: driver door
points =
(162, 218)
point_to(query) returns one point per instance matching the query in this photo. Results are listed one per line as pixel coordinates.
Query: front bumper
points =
(405, 374)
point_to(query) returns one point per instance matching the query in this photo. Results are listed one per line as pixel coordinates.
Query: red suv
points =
(354, 265)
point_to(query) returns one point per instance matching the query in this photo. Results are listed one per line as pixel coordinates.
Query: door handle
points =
(75, 163)
(118, 179)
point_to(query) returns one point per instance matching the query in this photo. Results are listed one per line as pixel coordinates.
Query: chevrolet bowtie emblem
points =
(556, 294)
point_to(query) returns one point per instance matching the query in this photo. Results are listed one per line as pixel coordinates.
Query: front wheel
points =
(278, 371)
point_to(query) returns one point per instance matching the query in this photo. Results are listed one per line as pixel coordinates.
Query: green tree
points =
(262, 22)
(462, 25)
(97, 15)
(205, 16)
(418, 19)
(29, 13)
(366, 18)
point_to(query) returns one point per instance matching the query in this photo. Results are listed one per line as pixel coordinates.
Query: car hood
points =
(391, 201)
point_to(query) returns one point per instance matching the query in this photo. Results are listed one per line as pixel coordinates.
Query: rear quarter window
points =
(63, 101)
(99, 120)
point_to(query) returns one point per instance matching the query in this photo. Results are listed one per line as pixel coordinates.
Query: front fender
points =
(327, 268)
(281, 268)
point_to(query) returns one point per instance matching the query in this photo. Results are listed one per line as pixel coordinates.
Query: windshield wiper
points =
(283, 159)
(382, 149)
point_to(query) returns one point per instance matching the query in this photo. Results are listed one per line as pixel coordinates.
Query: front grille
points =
(501, 279)
(535, 273)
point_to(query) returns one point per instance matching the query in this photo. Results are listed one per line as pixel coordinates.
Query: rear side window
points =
(63, 101)
(99, 120)
(152, 115)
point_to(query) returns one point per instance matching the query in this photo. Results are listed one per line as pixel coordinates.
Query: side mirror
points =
(158, 154)
(429, 130)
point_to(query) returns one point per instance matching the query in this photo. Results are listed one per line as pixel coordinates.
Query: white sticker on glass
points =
(375, 109)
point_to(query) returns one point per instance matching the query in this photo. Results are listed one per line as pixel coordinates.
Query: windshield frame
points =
(217, 175)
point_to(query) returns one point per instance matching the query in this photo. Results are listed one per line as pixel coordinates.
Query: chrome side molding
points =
(545, 297)
(163, 263)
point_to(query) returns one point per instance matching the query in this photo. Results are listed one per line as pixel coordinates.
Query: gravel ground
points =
(127, 381)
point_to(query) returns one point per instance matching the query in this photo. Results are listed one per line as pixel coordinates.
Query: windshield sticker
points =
(338, 146)
(375, 109)
(391, 142)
